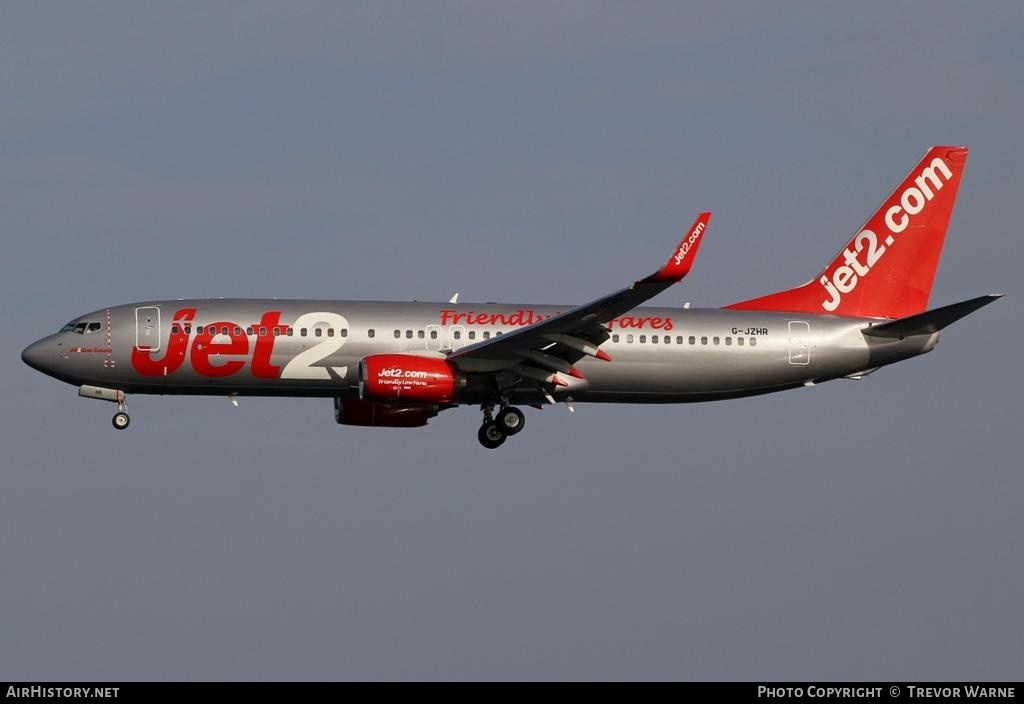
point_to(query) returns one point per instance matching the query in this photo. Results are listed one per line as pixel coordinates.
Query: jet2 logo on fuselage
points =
(223, 348)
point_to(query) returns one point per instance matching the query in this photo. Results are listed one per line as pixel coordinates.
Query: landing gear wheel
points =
(511, 420)
(121, 420)
(490, 435)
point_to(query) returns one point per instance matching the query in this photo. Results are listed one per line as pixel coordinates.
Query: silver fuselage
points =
(313, 348)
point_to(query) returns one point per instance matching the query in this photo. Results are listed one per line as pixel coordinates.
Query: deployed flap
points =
(930, 321)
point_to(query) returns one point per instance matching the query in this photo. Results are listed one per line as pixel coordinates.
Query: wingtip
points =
(681, 261)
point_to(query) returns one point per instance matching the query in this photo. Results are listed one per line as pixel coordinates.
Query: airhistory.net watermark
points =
(62, 692)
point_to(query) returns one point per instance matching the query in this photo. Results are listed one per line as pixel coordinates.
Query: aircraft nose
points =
(35, 355)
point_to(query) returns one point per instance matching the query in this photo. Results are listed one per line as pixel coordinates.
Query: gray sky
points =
(525, 152)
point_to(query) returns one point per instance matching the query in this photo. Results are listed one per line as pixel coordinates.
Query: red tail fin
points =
(887, 269)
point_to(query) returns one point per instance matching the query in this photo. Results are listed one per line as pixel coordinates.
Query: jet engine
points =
(407, 378)
(352, 411)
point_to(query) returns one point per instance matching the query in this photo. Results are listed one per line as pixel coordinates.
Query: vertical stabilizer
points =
(886, 270)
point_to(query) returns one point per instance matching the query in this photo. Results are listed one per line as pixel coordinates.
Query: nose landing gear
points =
(120, 420)
(495, 430)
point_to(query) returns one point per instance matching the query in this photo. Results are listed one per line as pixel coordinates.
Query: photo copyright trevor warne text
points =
(890, 691)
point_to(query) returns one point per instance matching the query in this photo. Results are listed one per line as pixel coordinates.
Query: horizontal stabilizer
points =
(930, 321)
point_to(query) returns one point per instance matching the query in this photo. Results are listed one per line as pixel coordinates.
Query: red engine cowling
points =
(394, 378)
(352, 411)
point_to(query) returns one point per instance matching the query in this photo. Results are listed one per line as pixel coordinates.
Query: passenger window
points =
(288, 331)
(433, 334)
(419, 334)
(739, 341)
(654, 339)
(457, 335)
(703, 340)
(629, 338)
(487, 334)
(249, 331)
(263, 331)
(398, 334)
(344, 332)
(615, 337)
(188, 329)
(728, 342)
(643, 338)
(371, 333)
(753, 342)
(472, 334)
(302, 332)
(715, 339)
(277, 331)
(692, 340)
(408, 334)
(199, 329)
(238, 331)
(318, 332)
(175, 329)
(330, 332)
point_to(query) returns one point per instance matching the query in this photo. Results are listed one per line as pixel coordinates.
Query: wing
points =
(538, 353)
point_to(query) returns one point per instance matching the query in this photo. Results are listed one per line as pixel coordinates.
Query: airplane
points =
(399, 364)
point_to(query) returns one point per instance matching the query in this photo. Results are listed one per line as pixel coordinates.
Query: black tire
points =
(491, 436)
(121, 421)
(510, 420)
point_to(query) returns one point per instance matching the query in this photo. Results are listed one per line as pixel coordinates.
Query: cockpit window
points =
(81, 328)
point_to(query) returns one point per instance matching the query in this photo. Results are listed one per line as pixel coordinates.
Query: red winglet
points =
(681, 261)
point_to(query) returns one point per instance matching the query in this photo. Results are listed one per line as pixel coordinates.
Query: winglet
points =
(681, 261)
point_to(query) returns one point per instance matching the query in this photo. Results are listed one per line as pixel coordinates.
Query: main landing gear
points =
(496, 429)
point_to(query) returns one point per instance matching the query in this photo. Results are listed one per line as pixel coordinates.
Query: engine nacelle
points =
(352, 411)
(407, 378)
